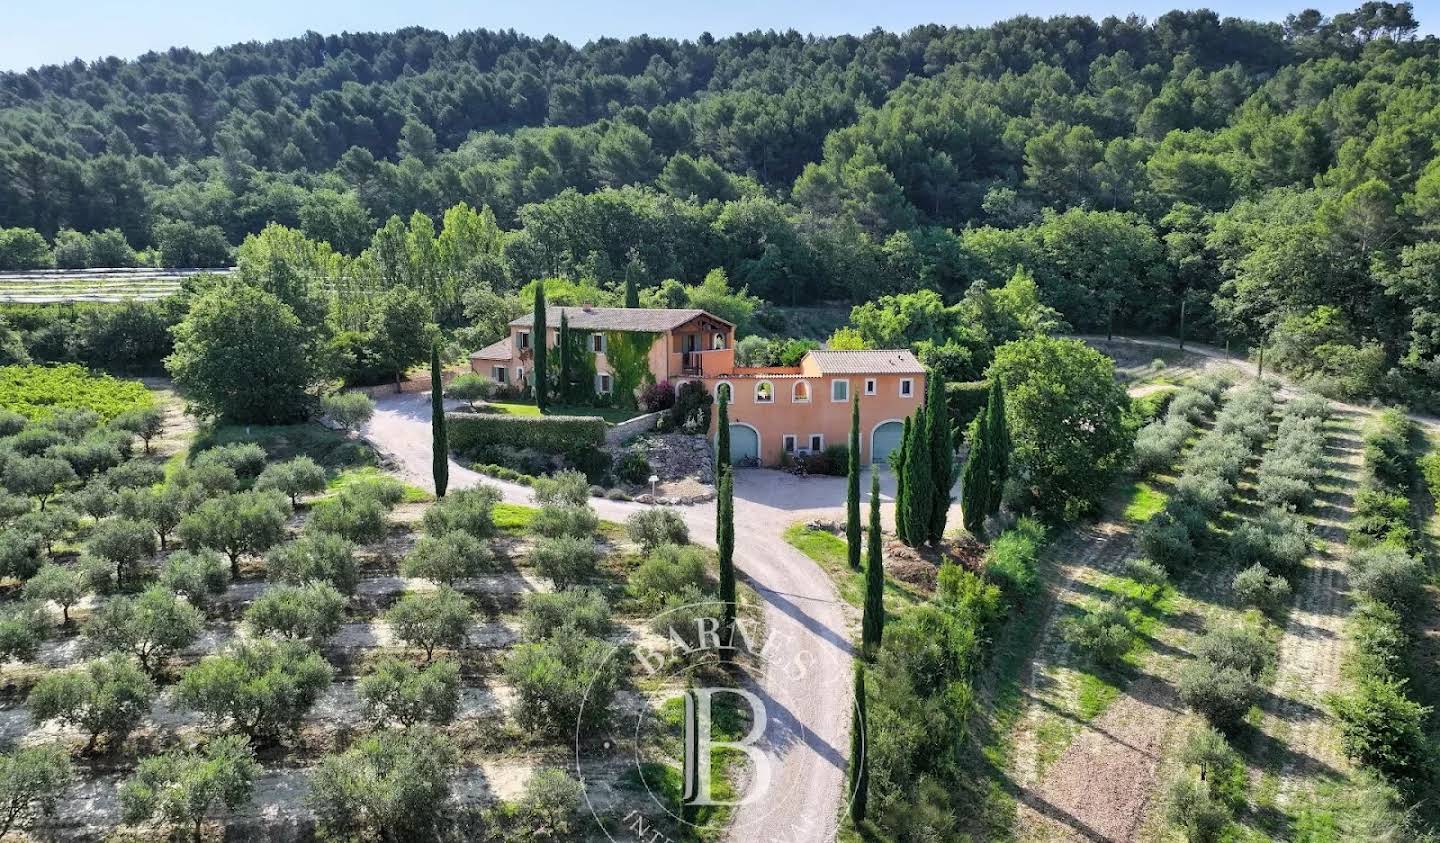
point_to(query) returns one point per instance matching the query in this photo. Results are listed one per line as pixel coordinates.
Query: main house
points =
(774, 410)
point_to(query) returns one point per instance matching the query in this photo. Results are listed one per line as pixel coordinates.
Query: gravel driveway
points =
(806, 679)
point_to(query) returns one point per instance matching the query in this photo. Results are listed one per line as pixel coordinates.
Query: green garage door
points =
(744, 444)
(885, 440)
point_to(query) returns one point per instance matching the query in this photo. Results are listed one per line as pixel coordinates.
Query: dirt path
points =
(806, 684)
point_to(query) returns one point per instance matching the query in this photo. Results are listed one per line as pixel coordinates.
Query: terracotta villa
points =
(773, 410)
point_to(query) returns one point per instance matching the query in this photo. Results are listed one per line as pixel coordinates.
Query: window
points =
(723, 391)
(869, 386)
(497, 374)
(522, 340)
(764, 393)
(800, 393)
(907, 387)
(602, 383)
(788, 443)
(719, 342)
(839, 390)
(817, 443)
(519, 374)
(597, 343)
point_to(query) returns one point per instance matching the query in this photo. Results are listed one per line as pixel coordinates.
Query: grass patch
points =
(513, 518)
(351, 476)
(609, 414)
(1093, 695)
(1142, 501)
(828, 550)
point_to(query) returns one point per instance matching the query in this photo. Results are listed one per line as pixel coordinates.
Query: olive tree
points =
(464, 510)
(428, 621)
(321, 556)
(22, 628)
(32, 780)
(399, 691)
(184, 787)
(350, 410)
(564, 681)
(162, 507)
(293, 478)
(238, 524)
(312, 612)
(150, 627)
(59, 584)
(259, 688)
(566, 560)
(446, 558)
(146, 423)
(389, 786)
(196, 575)
(122, 542)
(40, 478)
(105, 697)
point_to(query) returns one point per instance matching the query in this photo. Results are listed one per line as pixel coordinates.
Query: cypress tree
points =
(998, 434)
(976, 479)
(565, 389)
(725, 544)
(439, 436)
(537, 342)
(632, 290)
(919, 488)
(859, 769)
(872, 626)
(722, 433)
(942, 457)
(902, 491)
(852, 494)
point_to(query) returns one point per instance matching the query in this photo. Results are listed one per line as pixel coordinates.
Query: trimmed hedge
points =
(557, 434)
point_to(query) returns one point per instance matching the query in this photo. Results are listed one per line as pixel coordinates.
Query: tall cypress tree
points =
(902, 492)
(852, 494)
(722, 433)
(632, 289)
(918, 482)
(998, 434)
(859, 769)
(725, 544)
(565, 389)
(538, 345)
(975, 480)
(942, 456)
(872, 625)
(439, 436)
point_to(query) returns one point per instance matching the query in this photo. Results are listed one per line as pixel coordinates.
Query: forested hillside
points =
(1281, 179)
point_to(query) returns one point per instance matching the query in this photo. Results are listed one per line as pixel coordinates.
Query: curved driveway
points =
(806, 678)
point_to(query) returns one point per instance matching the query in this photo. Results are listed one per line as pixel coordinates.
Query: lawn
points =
(609, 414)
(1143, 501)
(828, 550)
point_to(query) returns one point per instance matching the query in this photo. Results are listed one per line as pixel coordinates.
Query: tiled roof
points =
(617, 318)
(899, 362)
(498, 350)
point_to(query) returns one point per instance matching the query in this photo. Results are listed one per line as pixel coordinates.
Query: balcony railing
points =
(703, 363)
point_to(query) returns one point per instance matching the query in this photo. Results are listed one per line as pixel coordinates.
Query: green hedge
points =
(556, 434)
(965, 400)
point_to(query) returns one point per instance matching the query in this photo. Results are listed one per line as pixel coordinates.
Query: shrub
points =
(1255, 586)
(583, 608)
(1191, 405)
(564, 488)
(106, 697)
(691, 410)
(1281, 489)
(1103, 634)
(428, 621)
(1012, 557)
(1241, 648)
(260, 688)
(357, 513)
(469, 511)
(668, 570)
(22, 628)
(397, 691)
(311, 612)
(551, 804)
(1383, 728)
(563, 685)
(633, 467)
(246, 459)
(1222, 695)
(1387, 449)
(1378, 641)
(1191, 808)
(350, 410)
(1220, 767)
(655, 526)
(1167, 541)
(315, 556)
(1383, 515)
(135, 474)
(578, 522)
(388, 786)
(1279, 541)
(566, 560)
(146, 423)
(657, 397)
(1206, 492)
(446, 558)
(293, 478)
(1387, 575)
(1146, 572)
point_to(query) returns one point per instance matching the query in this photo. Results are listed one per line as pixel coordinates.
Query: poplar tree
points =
(722, 433)
(919, 486)
(902, 492)
(942, 457)
(852, 496)
(537, 344)
(872, 626)
(566, 388)
(859, 769)
(725, 545)
(439, 436)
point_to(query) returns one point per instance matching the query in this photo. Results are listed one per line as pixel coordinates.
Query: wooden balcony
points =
(697, 364)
